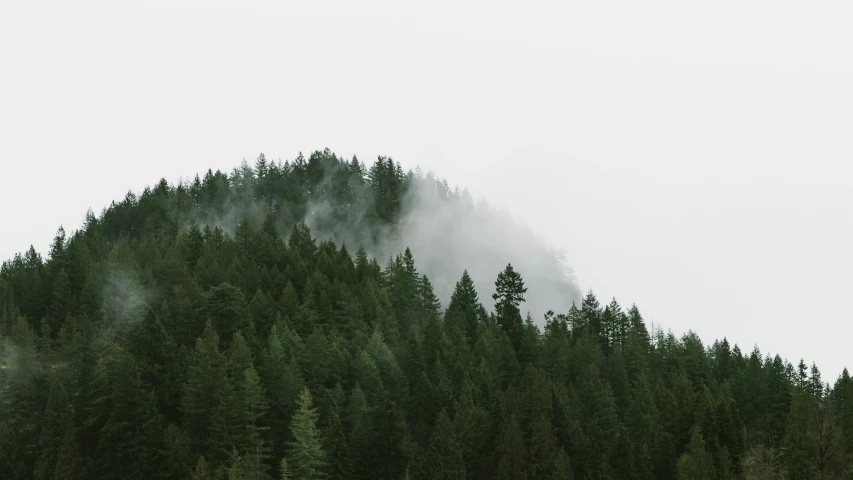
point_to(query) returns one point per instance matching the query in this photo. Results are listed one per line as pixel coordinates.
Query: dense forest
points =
(202, 330)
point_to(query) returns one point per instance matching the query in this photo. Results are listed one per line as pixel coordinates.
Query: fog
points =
(451, 233)
(446, 229)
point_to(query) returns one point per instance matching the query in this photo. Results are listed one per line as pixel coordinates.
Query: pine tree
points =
(591, 315)
(263, 310)
(155, 351)
(696, 463)
(116, 402)
(340, 462)
(537, 414)
(443, 458)
(177, 453)
(284, 470)
(509, 293)
(202, 471)
(62, 302)
(562, 467)
(53, 426)
(431, 303)
(254, 406)
(283, 379)
(471, 426)
(306, 457)
(70, 465)
(362, 433)
(465, 308)
(511, 452)
(643, 430)
(225, 306)
(207, 391)
(593, 423)
(302, 243)
(763, 463)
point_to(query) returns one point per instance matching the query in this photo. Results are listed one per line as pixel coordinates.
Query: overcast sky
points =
(694, 159)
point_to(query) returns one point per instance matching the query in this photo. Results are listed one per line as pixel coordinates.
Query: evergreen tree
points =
(562, 467)
(117, 399)
(443, 458)
(471, 427)
(696, 463)
(593, 424)
(361, 433)
(70, 465)
(202, 470)
(465, 308)
(306, 457)
(208, 391)
(511, 451)
(590, 315)
(340, 462)
(509, 293)
(254, 406)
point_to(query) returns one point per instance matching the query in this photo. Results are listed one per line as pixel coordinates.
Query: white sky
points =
(692, 157)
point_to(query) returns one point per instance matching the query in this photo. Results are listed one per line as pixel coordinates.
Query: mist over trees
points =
(324, 319)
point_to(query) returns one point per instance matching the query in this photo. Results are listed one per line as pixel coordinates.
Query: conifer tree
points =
(696, 463)
(340, 462)
(562, 467)
(70, 465)
(117, 399)
(593, 423)
(254, 406)
(306, 457)
(62, 302)
(465, 307)
(431, 303)
(284, 470)
(53, 426)
(202, 471)
(511, 452)
(361, 434)
(509, 293)
(207, 391)
(471, 427)
(591, 315)
(443, 459)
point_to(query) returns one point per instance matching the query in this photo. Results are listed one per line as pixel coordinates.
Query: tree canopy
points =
(202, 330)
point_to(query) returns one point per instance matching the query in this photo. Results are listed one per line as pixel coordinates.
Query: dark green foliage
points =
(511, 453)
(306, 456)
(182, 332)
(336, 446)
(509, 293)
(443, 458)
(225, 307)
(593, 424)
(696, 463)
(207, 395)
(70, 465)
(465, 308)
(253, 407)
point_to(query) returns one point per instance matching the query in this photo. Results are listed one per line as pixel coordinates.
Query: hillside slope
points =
(323, 319)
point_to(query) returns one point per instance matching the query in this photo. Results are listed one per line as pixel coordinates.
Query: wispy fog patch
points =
(17, 363)
(449, 234)
(446, 230)
(126, 299)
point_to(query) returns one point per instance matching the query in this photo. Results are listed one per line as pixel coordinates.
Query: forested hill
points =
(241, 326)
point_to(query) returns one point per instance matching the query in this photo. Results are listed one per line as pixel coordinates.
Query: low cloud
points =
(448, 233)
